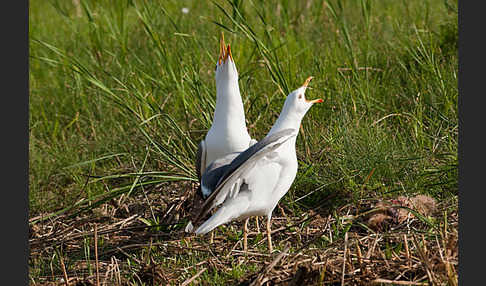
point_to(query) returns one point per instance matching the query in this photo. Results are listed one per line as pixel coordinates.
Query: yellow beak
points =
(306, 83)
(224, 51)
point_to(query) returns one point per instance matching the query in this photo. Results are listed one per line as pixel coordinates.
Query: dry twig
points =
(188, 281)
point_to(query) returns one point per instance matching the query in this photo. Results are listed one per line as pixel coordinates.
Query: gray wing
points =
(244, 161)
(214, 172)
(217, 169)
(201, 159)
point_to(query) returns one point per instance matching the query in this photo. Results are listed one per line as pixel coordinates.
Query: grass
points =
(120, 96)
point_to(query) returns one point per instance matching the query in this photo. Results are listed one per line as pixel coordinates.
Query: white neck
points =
(287, 119)
(229, 112)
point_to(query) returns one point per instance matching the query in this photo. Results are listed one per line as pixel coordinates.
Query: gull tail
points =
(189, 227)
(220, 217)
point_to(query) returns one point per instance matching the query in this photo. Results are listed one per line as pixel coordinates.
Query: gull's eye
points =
(215, 67)
(300, 96)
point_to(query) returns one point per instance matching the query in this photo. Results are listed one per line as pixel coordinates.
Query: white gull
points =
(252, 182)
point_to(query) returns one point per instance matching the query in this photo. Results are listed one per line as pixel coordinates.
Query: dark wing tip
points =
(200, 159)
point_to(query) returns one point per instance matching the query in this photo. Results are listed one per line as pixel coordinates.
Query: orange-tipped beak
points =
(224, 51)
(319, 100)
(306, 83)
(228, 53)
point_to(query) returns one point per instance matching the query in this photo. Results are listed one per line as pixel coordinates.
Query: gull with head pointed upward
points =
(228, 132)
(252, 182)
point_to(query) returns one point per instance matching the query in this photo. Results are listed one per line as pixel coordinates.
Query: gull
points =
(228, 131)
(252, 182)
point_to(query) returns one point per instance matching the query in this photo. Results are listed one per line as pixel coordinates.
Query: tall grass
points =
(121, 96)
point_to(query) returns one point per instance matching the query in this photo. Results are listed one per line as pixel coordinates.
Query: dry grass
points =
(120, 97)
(317, 247)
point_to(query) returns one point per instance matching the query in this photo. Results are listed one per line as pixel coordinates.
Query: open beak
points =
(224, 51)
(306, 83)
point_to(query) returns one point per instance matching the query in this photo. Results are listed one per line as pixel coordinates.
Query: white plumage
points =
(252, 182)
(228, 132)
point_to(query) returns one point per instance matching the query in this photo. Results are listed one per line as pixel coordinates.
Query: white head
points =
(229, 113)
(294, 109)
(296, 101)
(225, 67)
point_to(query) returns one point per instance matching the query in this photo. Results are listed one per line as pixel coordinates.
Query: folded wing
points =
(229, 178)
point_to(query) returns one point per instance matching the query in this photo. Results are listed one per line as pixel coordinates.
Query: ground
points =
(120, 96)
